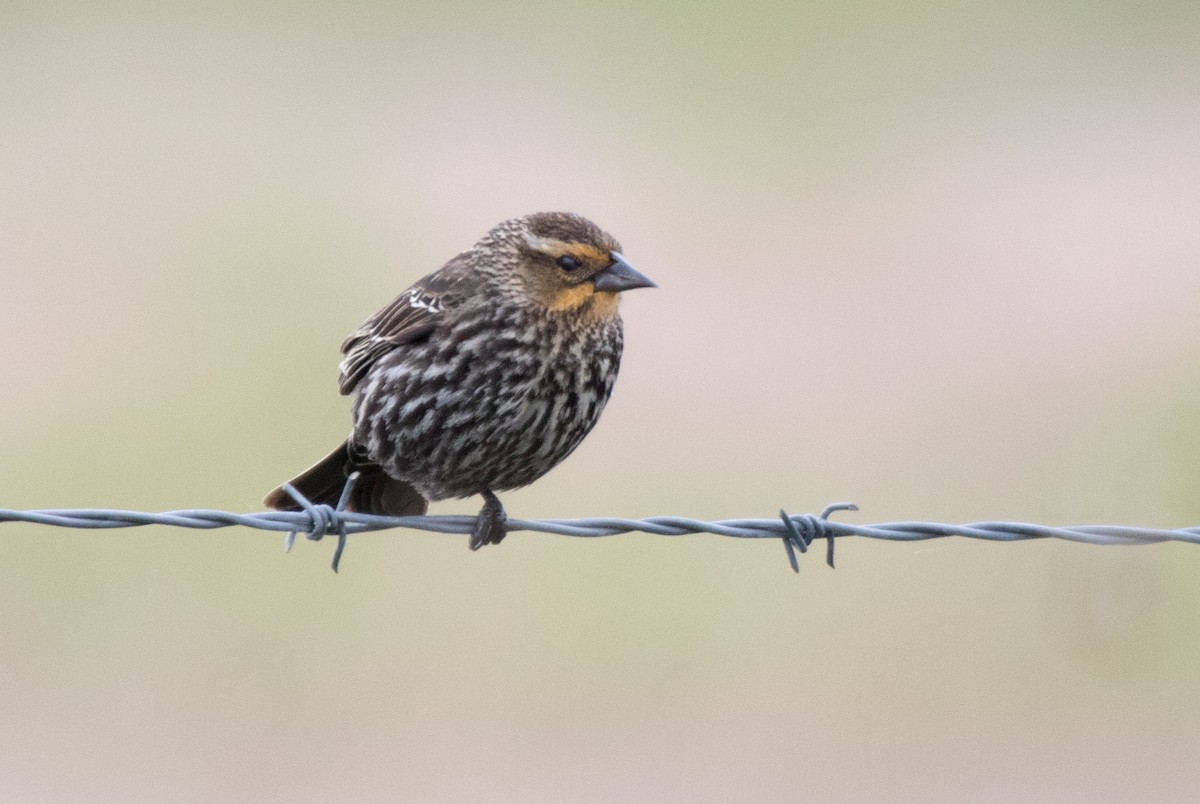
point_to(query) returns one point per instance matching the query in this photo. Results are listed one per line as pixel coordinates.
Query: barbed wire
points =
(796, 531)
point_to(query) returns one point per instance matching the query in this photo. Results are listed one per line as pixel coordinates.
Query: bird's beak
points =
(621, 276)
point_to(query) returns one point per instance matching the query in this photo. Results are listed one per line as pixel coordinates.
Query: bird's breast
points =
(492, 402)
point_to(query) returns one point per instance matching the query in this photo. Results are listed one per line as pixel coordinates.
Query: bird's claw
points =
(492, 525)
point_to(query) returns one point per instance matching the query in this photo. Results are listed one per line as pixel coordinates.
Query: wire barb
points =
(832, 508)
(802, 529)
(323, 517)
(793, 540)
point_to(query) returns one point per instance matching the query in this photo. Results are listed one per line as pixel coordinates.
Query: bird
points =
(480, 377)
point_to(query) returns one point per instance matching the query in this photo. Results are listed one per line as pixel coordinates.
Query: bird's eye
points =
(568, 262)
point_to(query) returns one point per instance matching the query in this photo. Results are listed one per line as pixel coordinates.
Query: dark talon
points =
(492, 525)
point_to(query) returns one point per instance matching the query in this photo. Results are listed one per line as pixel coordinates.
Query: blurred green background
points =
(940, 259)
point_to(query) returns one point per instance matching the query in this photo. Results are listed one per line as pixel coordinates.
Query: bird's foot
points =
(492, 525)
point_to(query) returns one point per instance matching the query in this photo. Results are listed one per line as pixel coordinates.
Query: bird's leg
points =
(492, 525)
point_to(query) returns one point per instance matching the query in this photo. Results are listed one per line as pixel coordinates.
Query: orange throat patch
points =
(585, 299)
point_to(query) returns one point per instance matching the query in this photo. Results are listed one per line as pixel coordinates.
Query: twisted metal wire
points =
(796, 531)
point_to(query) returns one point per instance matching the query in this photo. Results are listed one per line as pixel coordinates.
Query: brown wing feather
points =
(413, 315)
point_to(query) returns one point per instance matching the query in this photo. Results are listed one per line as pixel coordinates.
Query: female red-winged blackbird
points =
(482, 376)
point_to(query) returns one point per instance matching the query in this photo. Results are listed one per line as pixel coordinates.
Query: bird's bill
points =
(621, 276)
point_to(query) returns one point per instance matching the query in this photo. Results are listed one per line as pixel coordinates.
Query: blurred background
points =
(935, 259)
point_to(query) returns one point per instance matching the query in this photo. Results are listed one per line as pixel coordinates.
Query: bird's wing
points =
(411, 317)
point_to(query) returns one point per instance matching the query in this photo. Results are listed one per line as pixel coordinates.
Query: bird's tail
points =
(375, 492)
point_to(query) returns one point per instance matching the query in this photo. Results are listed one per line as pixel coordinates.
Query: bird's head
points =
(564, 262)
